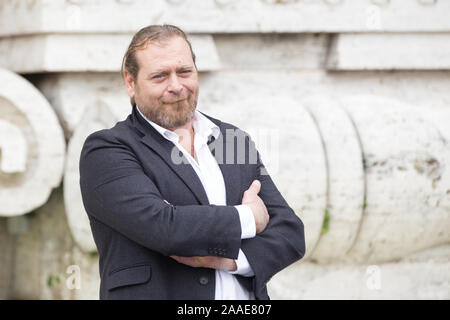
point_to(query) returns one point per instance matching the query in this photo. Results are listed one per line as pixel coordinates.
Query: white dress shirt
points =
(210, 175)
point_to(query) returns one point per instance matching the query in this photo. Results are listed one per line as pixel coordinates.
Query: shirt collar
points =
(202, 126)
(205, 127)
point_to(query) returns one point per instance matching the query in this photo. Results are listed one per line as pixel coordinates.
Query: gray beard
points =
(166, 122)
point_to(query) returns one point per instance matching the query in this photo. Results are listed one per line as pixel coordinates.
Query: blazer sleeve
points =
(117, 192)
(282, 242)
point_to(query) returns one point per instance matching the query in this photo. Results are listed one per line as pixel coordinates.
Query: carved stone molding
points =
(31, 145)
(223, 16)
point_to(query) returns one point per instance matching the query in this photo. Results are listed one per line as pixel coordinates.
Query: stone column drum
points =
(366, 174)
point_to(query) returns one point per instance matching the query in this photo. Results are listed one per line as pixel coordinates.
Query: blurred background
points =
(348, 102)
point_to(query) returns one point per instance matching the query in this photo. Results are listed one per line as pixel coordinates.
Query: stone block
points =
(222, 16)
(65, 52)
(271, 51)
(390, 51)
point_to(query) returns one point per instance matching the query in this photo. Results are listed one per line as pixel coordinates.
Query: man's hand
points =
(259, 210)
(257, 206)
(208, 262)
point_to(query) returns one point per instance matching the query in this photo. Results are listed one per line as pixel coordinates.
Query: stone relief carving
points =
(366, 174)
(32, 146)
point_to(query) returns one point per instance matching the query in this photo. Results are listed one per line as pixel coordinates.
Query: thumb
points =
(255, 187)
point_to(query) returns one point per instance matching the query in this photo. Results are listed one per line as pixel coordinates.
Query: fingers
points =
(252, 191)
(255, 187)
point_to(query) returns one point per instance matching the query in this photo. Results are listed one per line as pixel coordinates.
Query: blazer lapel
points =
(165, 149)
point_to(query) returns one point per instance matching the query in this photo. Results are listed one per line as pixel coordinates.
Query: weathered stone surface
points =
(71, 94)
(407, 179)
(381, 51)
(214, 16)
(103, 115)
(361, 228)
(32, 146)
(45, 259)
(84, 52)
(423, 275)
(427, 89)
(251, 61)
(345, 178)
(291, 149)
(271, 51)
(7, 246)
(14, 149)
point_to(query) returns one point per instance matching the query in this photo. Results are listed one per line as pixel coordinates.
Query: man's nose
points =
(174, 84)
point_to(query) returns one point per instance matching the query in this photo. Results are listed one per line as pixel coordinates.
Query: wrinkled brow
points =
(168, 70)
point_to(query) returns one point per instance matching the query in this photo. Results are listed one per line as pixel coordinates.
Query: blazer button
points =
(203, 280)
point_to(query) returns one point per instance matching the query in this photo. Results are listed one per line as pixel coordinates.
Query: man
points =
(211, 226)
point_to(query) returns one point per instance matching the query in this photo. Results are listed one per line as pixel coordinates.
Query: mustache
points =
(169, 101)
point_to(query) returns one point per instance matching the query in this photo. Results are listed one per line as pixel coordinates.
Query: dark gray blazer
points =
(125, 174)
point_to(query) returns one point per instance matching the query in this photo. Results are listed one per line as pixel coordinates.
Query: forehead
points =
(165, 53)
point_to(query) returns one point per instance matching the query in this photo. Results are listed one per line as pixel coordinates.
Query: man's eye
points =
(186, 71)
(158, 76)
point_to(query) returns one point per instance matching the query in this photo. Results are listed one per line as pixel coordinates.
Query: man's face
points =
(166, 86)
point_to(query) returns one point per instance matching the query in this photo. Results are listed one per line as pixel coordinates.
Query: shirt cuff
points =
(248, 225)
(243, 267)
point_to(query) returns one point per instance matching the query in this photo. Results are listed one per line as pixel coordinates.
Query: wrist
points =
(232, 266)
(225, 264)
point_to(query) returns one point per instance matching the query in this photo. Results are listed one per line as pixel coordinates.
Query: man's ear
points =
(129, 83)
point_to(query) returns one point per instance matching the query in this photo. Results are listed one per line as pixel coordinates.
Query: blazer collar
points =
(164, 148)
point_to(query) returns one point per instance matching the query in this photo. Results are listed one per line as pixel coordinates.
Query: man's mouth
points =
(173, 101)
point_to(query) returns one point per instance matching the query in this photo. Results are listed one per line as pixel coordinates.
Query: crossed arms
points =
(261, 218)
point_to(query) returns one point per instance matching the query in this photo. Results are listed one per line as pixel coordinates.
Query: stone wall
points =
(348, 102)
